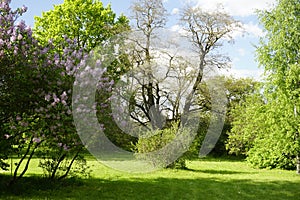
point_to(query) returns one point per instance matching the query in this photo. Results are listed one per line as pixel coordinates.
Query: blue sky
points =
(242, 52)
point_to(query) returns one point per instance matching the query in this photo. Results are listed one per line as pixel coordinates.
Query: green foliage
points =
(87, 21)
(237, 91)
(59, 165)
(25, 135)
(89, 24)
(158, 139)
(247, 123)
(267, 129)
(279, 54)
(277, 145)
(35, 87)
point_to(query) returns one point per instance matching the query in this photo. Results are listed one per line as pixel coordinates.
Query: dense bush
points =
(156, 147)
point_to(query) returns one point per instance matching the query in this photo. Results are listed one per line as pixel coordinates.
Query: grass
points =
(206, 179)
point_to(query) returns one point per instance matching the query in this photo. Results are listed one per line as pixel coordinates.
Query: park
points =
(95, 105)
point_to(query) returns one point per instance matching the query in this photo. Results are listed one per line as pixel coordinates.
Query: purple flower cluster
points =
(50, 75)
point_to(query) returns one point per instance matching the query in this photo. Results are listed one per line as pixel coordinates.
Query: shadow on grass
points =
(228, 158)
(149, 188)
(211, 171)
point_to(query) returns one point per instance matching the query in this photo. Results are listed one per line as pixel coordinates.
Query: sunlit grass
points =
(205, 179)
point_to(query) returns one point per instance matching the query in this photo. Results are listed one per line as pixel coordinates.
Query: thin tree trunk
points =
(16, 177)
(69, 167)
(298, 164)
(57, 165)
(27, 163)
(188, 102)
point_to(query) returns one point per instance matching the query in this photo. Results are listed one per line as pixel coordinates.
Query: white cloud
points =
(244, 73)
(237, 7)
(179, 29)
(248, 30)
(241, 51)
(253, 30)
(175, 11)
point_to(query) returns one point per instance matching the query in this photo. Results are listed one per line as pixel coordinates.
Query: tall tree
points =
(273, 128)
(35, 87)
(163, 74)
(149, 16)
(279, 55)
(89, 22)
(206, 31)
(237, 91)
(28, 76)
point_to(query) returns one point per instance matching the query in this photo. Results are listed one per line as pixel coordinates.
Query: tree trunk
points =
(298, 164)
(57, 166)
(189, 99)
(69, 167)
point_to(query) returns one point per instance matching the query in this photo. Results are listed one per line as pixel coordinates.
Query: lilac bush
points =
(35, 105)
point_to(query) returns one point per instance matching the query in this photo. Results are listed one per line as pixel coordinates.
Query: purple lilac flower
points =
(24, 8)
(47, 97)
(36, 140)
(66, 148)
(7, 136)
(20, 37)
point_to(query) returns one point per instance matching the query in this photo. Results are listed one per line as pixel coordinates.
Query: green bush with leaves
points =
(155, 140)
(268, 132)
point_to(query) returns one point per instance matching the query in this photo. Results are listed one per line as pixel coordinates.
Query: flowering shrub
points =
(35, 106)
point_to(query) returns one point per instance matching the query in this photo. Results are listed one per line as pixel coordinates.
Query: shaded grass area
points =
(205, 179)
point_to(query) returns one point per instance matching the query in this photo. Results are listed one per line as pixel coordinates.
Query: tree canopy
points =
(271, 125)
(87, 21)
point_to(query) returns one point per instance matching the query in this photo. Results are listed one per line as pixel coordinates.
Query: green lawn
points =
(206, 179)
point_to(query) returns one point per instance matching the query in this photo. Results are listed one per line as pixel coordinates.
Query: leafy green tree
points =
(247, 121)
(275, 122)
(87, 21)
(237, 91)
(279, 55)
